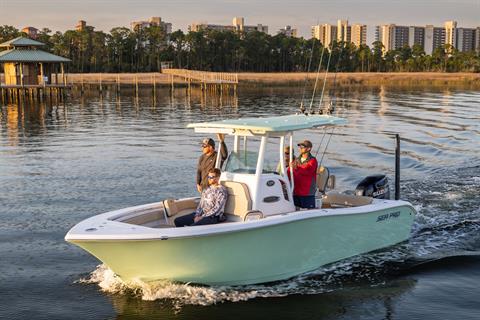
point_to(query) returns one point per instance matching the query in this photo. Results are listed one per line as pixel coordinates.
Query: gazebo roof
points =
(21, 42)
(14, 55)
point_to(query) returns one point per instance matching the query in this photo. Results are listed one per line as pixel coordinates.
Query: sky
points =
(105, 14)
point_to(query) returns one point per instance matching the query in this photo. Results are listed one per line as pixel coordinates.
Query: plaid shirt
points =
(212, 202)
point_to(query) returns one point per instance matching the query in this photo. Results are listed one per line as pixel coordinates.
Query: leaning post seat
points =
(336, 199)
(322, 179)
(239, 202)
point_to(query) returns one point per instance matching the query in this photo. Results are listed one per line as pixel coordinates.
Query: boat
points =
(265, 237)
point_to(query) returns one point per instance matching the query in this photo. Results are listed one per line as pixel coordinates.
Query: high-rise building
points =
(383, 34)
(416, 36)
(288, 31)
(451, 33)
(477, 39)
(429, 37)
(359, 34)
(154, 21)
(400, 37)
(238, 24)
(343, 31)
(466, 39)
(326, 33)
(393, 37)
(434, 38)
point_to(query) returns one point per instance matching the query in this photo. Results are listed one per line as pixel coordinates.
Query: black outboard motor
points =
(374, 186)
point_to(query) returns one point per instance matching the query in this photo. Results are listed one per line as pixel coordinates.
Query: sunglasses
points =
(211, 177)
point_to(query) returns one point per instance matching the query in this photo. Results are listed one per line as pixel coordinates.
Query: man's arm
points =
(224, 151)
(199, 210)
(223, 146)
(199, 170)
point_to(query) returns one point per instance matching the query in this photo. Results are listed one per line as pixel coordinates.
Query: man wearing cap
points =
(304, 170)
(208, 159)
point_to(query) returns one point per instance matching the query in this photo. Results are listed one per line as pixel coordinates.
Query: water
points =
(60, 164)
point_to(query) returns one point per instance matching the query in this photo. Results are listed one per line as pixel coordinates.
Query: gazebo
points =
(25, 65)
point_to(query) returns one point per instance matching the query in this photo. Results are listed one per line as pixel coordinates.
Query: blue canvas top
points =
(270, 124)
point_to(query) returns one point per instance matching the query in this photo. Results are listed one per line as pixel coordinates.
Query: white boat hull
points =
(238, 253)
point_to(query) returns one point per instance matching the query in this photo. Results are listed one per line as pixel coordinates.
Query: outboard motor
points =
(374, 186)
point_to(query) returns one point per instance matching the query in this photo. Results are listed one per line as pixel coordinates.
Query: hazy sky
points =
(105, 14)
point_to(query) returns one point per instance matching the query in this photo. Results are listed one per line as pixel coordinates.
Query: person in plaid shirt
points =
(211, 206)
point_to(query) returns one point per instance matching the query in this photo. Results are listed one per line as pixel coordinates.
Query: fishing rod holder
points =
(397, 166)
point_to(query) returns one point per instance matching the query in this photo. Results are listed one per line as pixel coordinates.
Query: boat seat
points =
(239, 203)
(322, 179)
(179, 207)
(336, 199)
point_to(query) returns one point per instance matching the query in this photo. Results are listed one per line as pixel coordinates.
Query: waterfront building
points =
(31, 32)
(154, 21)
(26, 65)
(238, 24)
(288, 31)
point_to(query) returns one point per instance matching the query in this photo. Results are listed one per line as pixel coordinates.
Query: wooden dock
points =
(214, 81)
(17, 93)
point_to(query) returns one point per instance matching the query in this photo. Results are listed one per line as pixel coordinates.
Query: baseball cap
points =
(208, 141)
(305, 143)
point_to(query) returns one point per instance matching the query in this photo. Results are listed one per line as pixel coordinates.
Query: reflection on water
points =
(345, 304)
(61, 163)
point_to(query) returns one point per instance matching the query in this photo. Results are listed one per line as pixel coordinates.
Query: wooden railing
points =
(204, 76)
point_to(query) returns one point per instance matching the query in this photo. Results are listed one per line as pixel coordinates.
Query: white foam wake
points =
(179, 293)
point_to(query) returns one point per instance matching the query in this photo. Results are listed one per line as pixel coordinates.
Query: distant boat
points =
(265, 238)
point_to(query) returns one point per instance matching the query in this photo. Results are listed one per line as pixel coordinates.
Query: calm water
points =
(63, 163)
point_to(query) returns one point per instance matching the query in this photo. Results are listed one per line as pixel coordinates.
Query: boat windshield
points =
(245, 161)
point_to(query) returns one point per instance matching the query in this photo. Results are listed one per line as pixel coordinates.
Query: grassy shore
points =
(294, 79)
(364, 79)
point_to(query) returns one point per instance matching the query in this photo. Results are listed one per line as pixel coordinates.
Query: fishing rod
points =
(325, 79)
(316, 80)
(333, 103)
(302, 108)
(331, 107)
(321, 98)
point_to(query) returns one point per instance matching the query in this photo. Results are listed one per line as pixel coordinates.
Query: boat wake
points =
(447, 226)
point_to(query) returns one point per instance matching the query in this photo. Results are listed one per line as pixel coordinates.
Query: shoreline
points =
(248, 79)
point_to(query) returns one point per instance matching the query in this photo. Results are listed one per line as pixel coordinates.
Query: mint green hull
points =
(255, 255)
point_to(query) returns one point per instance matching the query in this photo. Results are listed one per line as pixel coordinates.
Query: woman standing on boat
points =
(304, 170)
